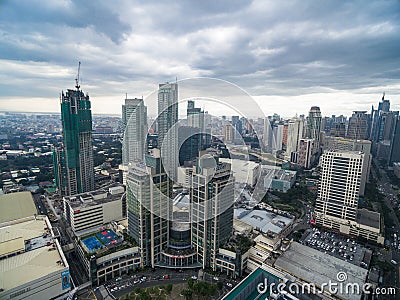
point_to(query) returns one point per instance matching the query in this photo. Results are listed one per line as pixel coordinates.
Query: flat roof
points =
(89, 199)
(316, 267)
(262, 220)
(32, 264)
(15, 206)
(368, 218)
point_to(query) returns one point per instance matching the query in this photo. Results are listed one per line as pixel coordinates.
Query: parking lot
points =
(337, 245)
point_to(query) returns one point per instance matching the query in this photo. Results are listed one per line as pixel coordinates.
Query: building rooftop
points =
(36, 253)
(316, 267)
(84, 200)
(16, 206)
(368, 218)
(262, 220)
(276, 173)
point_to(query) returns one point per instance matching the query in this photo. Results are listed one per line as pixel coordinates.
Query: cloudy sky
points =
(335, 54)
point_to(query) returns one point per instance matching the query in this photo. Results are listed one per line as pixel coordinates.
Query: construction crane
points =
(77, 77)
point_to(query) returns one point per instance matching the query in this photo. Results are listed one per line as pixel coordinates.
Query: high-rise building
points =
(314, 128)
(285, 134)
(395, 144)
(148, 195)
(339, 189)
(338, 130)
(383, 107)
(343, 144)
(167, 127)
(195, 116)
(337, 202)
(358, 125)
(134, 121)
(228, 133)
(305, 153)
(294, 134)
(212, 208)
(190, 142)
(73, 163)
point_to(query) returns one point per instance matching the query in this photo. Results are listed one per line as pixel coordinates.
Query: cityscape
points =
(200, 189)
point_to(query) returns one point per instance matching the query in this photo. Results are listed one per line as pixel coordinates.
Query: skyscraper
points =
(73, 163)
(383, 107)
(212, 208)
(395, 144)
(294, 134)
(167, 127)
(314, 128)
(148, 192)
(134, 121)
(195, 116)
(358, 126)
(339, 188)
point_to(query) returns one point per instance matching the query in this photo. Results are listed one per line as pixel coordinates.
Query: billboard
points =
(65, 280)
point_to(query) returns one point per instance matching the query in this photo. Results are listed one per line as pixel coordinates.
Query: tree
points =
(168, 288)
(187, 293)
(190, 283)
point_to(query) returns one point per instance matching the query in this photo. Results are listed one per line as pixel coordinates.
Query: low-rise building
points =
(265, 221)
(94, 209)
(245, 171)
(277, 179)
(105, 255)
(32, 263)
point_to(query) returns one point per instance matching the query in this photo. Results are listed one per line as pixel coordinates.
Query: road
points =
(39, 204)
(386, 189)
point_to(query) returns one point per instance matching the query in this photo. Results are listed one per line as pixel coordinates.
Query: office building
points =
(383, 107)
(190, 143)
(342, 144)
(339, 190)
(338, 130)
(168, 127)
(314, 128)
(84, 212)
(395, 144)
(195, 116)
(149, 192)
(73, 163)
(358, 126)
(212, 197)
(134, 122)
(294, 134)
(32, 263)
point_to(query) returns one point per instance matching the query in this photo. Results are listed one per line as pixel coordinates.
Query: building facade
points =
(134, 122)
(73, 163)
(212, 209)
(167, 127)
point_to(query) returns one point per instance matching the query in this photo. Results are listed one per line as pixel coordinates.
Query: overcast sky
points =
(338, 55)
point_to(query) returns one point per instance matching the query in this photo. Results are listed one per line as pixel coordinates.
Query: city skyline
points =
(334, 57)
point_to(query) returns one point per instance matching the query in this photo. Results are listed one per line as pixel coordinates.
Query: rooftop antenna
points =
(383, 97)
(77, 77)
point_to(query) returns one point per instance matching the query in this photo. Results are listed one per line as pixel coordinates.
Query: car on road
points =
(228, 284)
(216, 278)
(194, 277)
(166, 276)
(393, 262)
